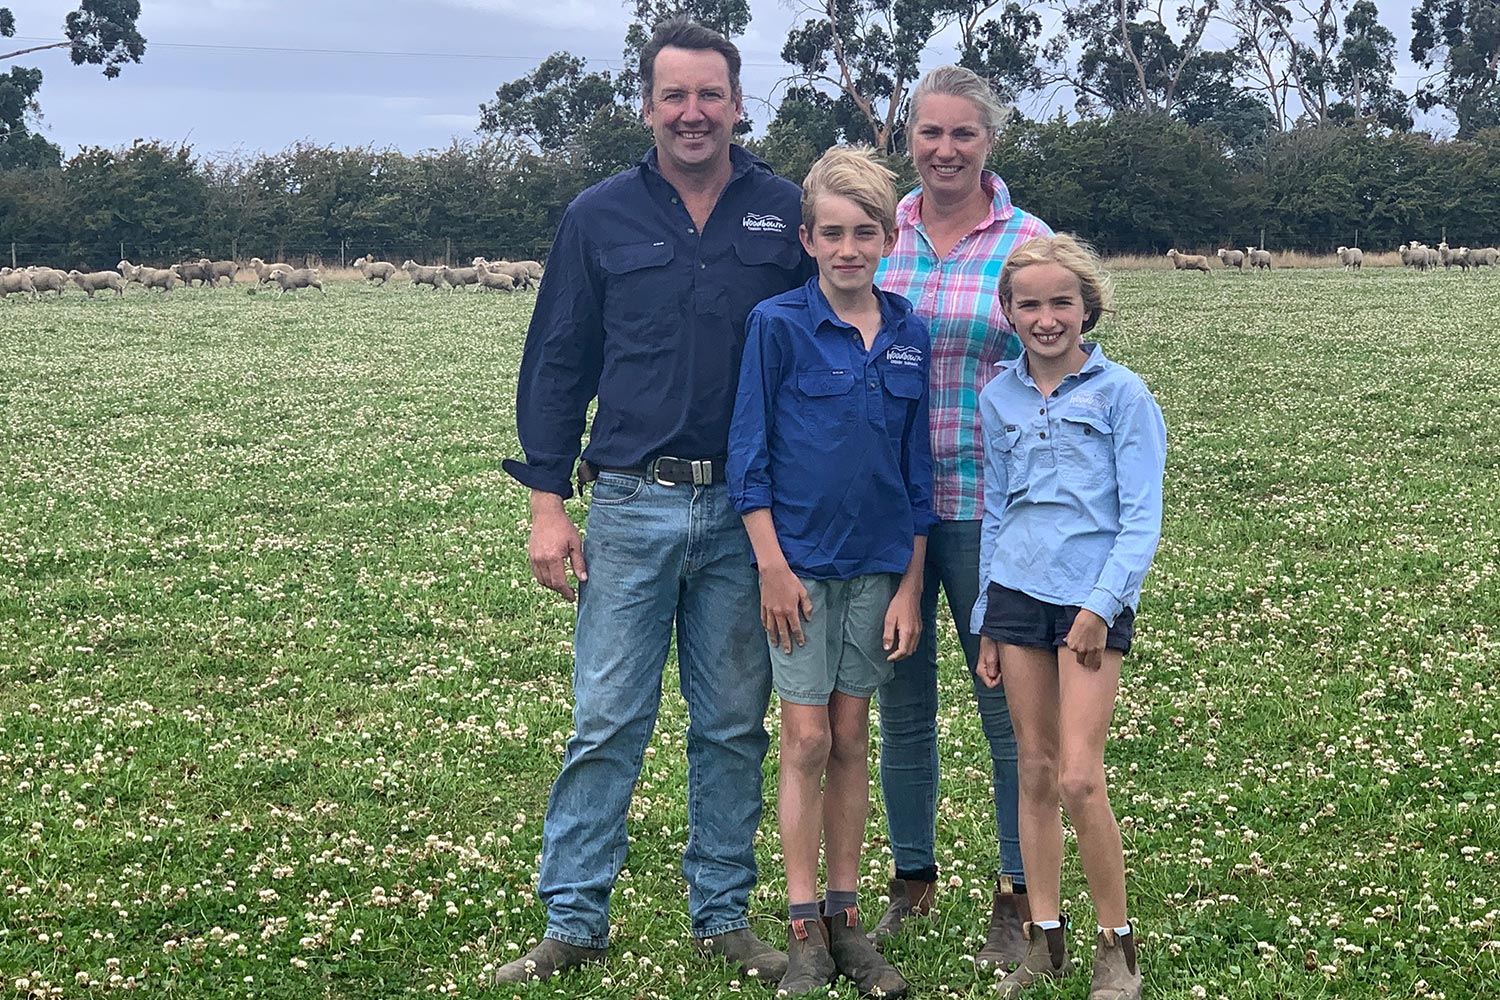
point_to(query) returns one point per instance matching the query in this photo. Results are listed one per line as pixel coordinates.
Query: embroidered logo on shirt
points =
(1088, 401)
(904, 356)
(763, 223)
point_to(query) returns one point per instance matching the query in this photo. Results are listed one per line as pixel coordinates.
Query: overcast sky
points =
(242, 76)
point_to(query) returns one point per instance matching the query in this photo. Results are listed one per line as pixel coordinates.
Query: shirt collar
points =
(741, 162)
(893, 308)
(909, 211)
(1091, 367)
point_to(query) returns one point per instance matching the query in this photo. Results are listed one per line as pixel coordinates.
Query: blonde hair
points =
(955, 81)
(852, 172)
(1066, 250)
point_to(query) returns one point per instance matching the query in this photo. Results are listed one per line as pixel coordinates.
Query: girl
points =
(1074, 448)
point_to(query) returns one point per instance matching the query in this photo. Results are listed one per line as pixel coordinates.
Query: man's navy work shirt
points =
(834, 438)
(641, 310)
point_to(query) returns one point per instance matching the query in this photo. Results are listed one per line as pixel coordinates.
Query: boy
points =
(830, 466)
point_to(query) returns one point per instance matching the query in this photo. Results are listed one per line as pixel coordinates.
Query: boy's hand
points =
(988, 667)
(903, 624)
(784, 605)
(1086, 638)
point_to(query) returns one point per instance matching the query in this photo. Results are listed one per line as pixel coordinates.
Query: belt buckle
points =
(655, 471)
(702, 470)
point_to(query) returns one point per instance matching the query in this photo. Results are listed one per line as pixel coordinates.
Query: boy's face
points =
(846, 242)
(1046, 308)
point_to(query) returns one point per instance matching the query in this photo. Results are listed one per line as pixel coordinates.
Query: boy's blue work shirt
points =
(833, 438)
(643, 311)
(1072, 486)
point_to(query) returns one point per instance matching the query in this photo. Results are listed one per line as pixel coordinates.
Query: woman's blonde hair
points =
(955, 81)
(852, 172)
(1072, 253)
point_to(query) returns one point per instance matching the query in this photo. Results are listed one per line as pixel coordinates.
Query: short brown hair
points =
(681, 33)
(1072, 253)
(852, 172)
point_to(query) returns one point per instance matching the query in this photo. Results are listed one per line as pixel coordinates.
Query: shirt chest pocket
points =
(828, 398)
(1004, 449)
(902, 390)
(1086, 449)
(638, 283)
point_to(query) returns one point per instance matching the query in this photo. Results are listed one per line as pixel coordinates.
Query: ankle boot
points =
(1005, 945)
(856, 958)
(907, 898)
(1116, 974)
(809, 966)
(1046, 958)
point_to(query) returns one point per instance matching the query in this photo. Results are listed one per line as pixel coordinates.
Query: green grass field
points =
(280, 704)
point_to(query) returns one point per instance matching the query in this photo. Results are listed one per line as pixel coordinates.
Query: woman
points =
(954, 233)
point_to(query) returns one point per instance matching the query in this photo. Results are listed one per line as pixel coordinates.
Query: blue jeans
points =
(660, 558)
(908, 715)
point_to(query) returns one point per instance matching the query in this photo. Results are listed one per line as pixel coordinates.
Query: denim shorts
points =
(1021, 620)
(844, 650)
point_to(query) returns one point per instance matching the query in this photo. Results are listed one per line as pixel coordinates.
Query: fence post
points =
(1262, 243)
(1356, 236)
(122, 250)
(341, 254)
(13, 254)
(234, 249)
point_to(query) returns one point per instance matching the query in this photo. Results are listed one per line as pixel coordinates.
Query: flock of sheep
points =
(503, 275)
(1414, 254)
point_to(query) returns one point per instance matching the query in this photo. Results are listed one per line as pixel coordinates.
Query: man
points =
(648, 285)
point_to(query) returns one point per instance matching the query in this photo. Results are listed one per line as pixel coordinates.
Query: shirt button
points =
(874, 385)
(1044, 433)
(1042, 411)
(691, 230)
(702, 267)
(674, 201)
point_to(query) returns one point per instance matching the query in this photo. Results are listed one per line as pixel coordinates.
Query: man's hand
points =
(1086, 639)
(784, 605)
(988, 667)
(555, 545)
(903, 623)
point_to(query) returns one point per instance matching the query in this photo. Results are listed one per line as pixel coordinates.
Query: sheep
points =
(158, 277)
(455, 277)
(372, 269)
(1449, 257)
(48, 279)
(216, 269)
(519, 273)
(92, 283)
(495, 279)
(1351, 257)
(302, 277)
(421, 275)
(1408, 254)
(1484, 257)
(1188, 261)
(193, 270)
(533, 268)
(263, 271)
(129, 270)
(1258, 258)
(1232, 258)
(16, 281)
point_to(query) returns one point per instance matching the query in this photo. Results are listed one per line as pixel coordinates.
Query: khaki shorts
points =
(844, 649)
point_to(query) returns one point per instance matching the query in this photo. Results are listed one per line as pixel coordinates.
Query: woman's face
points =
(949, 145)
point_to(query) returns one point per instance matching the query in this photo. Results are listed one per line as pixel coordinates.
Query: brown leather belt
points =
(666, 470)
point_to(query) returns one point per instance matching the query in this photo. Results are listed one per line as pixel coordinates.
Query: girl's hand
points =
(1086, 639)
(903, 624)
(988, 667)
(784, 606)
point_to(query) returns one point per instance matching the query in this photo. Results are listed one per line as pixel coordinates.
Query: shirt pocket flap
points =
(907, 385)
(1089, 423)
(1007, 439)
(634, 257)
(824, 382)
(755, 252)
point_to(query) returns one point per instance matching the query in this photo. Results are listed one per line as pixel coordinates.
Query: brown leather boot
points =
(1046, 958)
(856, 958)
(907, 898)
(809, 966)
(1005, 945)
(1116, 974)
(544, 961)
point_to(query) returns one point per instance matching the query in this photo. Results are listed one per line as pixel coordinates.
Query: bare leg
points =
(1088, 703)
(1031, 691)
(846, 795)
(805, 739)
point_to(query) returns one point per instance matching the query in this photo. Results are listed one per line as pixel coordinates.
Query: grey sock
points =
(803, 911)
(838, 902)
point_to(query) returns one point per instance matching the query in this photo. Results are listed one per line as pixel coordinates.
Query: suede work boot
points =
(754, 957)
(907, 898)
(1046, 958)
(1116, 975)
(856, 958)
(1005, 945)
(544, 961)
(809, 966)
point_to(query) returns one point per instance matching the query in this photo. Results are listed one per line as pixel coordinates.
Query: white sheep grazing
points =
(457, 277)
(421, 274)
(1188, 261)
(193, 270)
(1450, 258)
(1352, 258)
(1484, 257)
(301, 277)
(1258, 258)
(1232, 258)
(16, 281)
(159, 277)
(519, 273)
(92, 283)
(373, 269)
(48, 279)
(216, 269)
(130, 271)
(263, 271)
(495, 279)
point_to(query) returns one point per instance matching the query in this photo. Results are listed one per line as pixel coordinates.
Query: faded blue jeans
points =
(660, 558)
(908, 717)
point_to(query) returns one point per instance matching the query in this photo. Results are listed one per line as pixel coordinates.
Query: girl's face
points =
(1046, 308)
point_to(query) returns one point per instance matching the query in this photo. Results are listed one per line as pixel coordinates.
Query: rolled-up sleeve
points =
(561, 364)
(749, 469)
(1140, 462)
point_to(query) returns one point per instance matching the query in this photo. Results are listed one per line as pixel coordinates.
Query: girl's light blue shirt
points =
(1072, 486)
